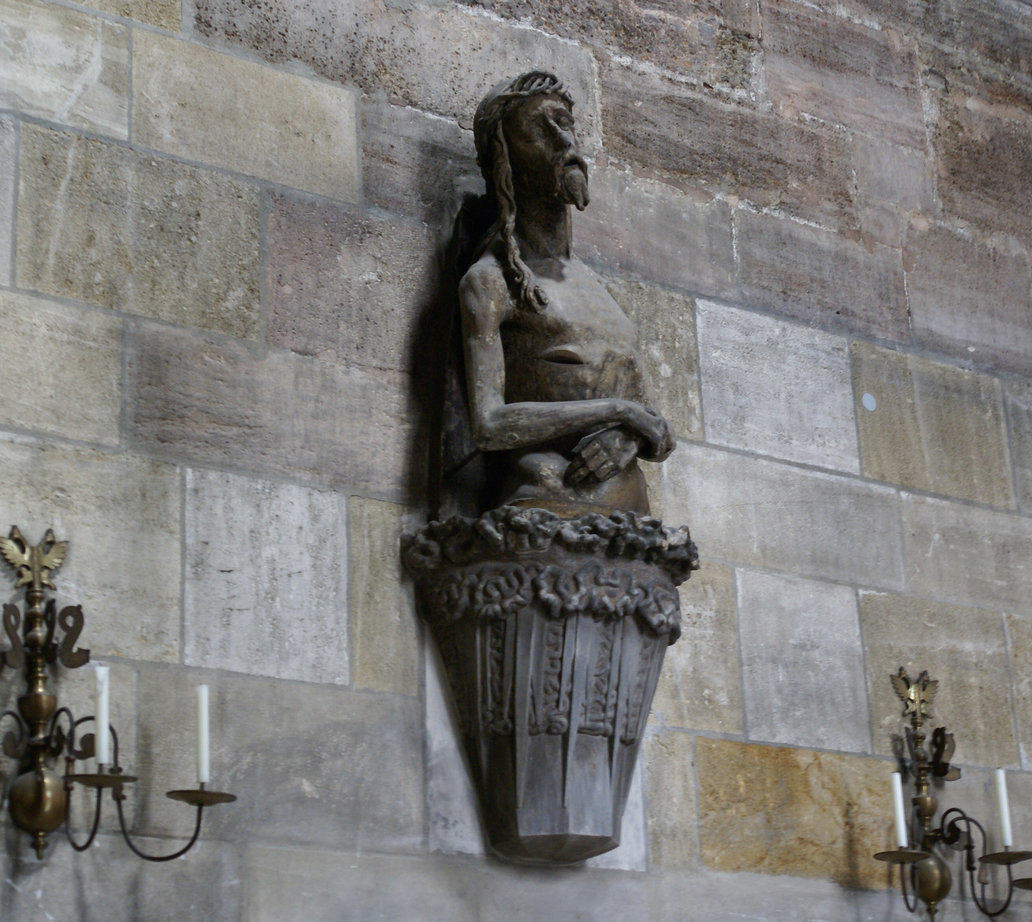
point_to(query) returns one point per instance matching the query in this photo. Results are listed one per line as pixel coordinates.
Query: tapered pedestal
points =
(552, 632)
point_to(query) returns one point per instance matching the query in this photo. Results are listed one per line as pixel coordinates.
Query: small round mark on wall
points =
(869, 402)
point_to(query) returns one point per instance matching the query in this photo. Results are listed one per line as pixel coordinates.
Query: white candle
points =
(203, 743)
(902, 839)
(1001, 796)
(102, 735)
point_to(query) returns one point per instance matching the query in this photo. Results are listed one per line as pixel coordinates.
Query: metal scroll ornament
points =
(550, 590)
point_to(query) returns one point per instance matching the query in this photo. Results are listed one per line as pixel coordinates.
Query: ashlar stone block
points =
(1019, 647)
(1018, 399)
(63, 65)
(8, 156)
(670, 785)
(240, 115)
(705, 43)
(121, 515)
(980, 132)
(165, 14)
(106, 882)
(699, 140)
(330, 886)
(833, 68)
(970, 298)
(893, 182)
(765, 514)
(60, 369)
(266, 588)
(665, 321)
(965, 649)
(383, 618)
(100, 223)
(793, 811)
(311, 764)
(651, 230)
(802, 662)
(776, 388)
(218, 402)
(798, 270)
(700, 687)
(414, 163)
(432, 56)
(966, 554)
(933, 427)
(345, 285)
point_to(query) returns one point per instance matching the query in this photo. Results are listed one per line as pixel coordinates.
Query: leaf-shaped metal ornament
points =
(15, 550)
(71, 621)
(15, 657)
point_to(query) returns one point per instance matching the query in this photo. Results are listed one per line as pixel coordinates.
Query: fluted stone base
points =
(552, 632)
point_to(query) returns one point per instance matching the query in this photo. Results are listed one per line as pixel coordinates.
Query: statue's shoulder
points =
(482, 290)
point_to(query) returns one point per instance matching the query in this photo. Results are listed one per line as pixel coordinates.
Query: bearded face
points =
(543, 152)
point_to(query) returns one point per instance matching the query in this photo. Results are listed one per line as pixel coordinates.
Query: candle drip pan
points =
(552, 632)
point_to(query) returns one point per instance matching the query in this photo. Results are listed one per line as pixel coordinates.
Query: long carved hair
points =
(498, 205)
(460, 477)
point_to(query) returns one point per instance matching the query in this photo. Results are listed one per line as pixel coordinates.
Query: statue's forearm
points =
(522, 425)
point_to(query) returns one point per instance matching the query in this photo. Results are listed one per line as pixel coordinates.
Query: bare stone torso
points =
(580, 347)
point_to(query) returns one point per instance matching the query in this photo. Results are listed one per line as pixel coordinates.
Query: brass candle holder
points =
(39, 796)
(929, 875)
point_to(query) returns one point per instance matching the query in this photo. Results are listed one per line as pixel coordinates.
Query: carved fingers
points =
(602, 455)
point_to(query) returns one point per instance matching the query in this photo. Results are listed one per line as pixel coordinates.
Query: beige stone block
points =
(349, 286)
(1019, 646)
(432, 56)
(107, 882)
(220, 402)
(651, 230)
(705, 43)
(965, 649)
(764, 514)
(165, 14)
(933, 427)
(266, 586)
(333, 886)
(965, 554)
(980, 132)
(701, 686)
(416, 164)
(670, 791)
(121, 515)
(793, 811)
(199, 104)
(970, 298)
(8, 159)
(666, 129)
(776, 388)
(892, 182)
(1018, 398)
(800, 270)
(60, 369)
(383, 616)
(802, 662)
(103, 224)
(833, 68)
(665, 321)
(310, 764)
(60, 64)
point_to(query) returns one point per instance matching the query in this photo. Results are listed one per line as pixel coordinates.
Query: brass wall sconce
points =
(929, 874)
(39, 796)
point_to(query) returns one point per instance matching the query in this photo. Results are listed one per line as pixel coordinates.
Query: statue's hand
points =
(602, 455)
(652, 427)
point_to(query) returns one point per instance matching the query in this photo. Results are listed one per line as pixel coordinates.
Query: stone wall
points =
(218, 221)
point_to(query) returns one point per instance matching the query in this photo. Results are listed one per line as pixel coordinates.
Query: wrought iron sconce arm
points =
(929, 874)
(39, 797)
